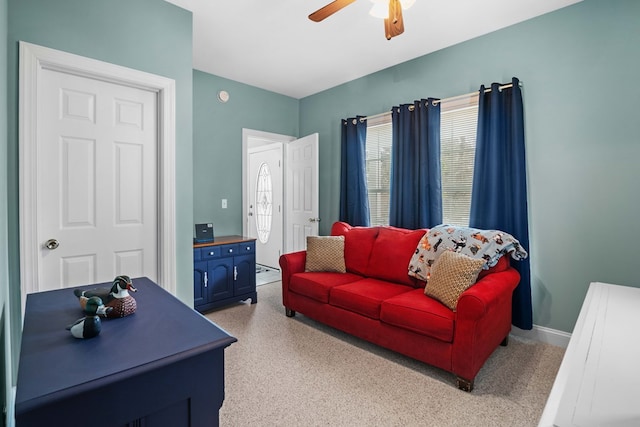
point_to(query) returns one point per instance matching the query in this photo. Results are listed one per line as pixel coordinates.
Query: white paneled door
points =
(265, 203)
(97, 181)
(302, 192)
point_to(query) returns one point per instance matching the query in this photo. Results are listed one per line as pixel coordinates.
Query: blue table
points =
(161, 366)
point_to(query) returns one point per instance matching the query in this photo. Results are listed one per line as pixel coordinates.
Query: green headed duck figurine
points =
(117, 300)
(90, 325)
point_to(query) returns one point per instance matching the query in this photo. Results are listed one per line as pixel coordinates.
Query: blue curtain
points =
(354, 200)
(416, 190)
(499, 194)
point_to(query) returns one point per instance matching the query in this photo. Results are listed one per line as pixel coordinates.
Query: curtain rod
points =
(439, 101)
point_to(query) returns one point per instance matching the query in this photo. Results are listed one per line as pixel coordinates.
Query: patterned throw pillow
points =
(451, 275)
(325, 253)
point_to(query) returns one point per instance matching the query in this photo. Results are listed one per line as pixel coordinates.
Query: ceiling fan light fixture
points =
(406, 4)
(380, 8)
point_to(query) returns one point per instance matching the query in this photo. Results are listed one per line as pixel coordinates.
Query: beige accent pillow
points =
(325, 253)
(452, 274)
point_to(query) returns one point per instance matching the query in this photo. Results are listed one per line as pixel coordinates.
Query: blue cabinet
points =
(224, 272)
(152, 358)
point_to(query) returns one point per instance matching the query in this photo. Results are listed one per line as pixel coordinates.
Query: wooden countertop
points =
(224, 240)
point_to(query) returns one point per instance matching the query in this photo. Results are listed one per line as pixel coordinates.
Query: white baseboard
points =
(545, 335)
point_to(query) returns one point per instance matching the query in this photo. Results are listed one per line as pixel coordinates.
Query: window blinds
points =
(378, 166)
(458, 124)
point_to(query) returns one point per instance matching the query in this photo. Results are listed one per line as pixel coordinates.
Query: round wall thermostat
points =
(223, 96)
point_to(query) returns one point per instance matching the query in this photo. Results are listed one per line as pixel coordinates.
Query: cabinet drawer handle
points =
(230, 251)
(212, 253)
(235, 273)
(206, 279)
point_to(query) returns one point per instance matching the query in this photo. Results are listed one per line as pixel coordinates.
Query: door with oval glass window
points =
(265, 207)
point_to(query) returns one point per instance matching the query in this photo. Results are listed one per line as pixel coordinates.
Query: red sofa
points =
(377, 300)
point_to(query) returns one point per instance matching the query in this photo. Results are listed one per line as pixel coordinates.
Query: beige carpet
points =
(296, 372)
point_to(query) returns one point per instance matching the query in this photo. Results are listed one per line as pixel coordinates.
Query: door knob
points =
(51, 244)
(314, 219)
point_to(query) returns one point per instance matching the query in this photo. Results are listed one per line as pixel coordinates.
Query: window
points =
(264, 203)
(378, 164)
(458, 122)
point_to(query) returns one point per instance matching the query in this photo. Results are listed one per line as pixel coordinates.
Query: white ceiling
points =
(271, 44)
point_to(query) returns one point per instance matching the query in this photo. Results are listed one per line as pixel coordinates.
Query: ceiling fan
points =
(393, 22)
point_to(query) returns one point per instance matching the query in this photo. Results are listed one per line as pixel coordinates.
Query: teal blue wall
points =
(5, 337)
(579, 68)
(217, 143)
(147, 35)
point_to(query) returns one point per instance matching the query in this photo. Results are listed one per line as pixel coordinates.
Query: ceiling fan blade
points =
(330, 9)
(394, 24)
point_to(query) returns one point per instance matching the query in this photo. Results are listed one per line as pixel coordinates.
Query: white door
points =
(97, 181)
(265, 203)
(301, 192)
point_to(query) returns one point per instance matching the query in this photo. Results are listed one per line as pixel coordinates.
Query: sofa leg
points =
(289, 312)
(505, 341)
(465, 385)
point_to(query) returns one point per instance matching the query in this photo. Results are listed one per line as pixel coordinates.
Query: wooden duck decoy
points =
(90, 325)
(117, 300)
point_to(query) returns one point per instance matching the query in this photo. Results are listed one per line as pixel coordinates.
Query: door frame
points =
(34, 59)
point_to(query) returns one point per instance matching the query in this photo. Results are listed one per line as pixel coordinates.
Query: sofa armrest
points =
(483, 321)
(490, 291)
(290, 264)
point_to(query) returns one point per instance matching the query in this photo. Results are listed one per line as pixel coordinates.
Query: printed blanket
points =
(489, 245)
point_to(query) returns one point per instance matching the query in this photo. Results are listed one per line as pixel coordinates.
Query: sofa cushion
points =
(419, 313)
(316, 285)
(452, 274)
(391, 254)
(365, 296)
(358, 243)
(325, 253)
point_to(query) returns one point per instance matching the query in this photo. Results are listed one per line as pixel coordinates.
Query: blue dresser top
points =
(54, 364)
